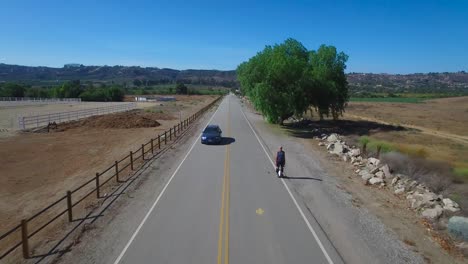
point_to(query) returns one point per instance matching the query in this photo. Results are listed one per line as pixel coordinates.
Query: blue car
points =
(211, 135)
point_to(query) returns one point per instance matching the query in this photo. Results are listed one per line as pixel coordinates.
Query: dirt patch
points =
(130, 119)
(38, 168)
(443, 116)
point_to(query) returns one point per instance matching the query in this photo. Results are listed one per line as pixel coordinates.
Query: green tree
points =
(285, 80)
(13, 90)
(181, 88)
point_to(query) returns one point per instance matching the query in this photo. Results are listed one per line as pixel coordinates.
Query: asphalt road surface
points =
(221, 206)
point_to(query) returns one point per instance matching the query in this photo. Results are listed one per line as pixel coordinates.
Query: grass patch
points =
(373, 144)
(461, 173)
(412, 100)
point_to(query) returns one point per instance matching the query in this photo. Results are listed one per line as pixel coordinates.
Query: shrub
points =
(435, 175)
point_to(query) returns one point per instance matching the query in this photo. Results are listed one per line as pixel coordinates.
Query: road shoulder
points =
(360, 221)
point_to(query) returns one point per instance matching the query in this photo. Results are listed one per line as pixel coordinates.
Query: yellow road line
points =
(221, 220)
(225, 195)
(226, 243)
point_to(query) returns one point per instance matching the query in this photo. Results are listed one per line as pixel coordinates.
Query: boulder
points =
(450, 205)
(345, 158)
(458, 227)
(332, 138)
(373, 161)
(354, 152)
(379, 174)
(432, 213)
(353, 159)
(337, 148)
(386, 170)
(321, 144)
(375, 180)
(400, 190)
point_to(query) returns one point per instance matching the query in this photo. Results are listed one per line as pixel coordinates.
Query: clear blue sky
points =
(395, 36)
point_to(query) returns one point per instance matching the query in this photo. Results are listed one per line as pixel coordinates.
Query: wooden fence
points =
(25, 122)
(21, 234)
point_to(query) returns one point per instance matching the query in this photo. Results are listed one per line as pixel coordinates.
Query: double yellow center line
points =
(224, 215)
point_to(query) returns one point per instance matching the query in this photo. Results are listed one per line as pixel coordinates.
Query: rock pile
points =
(373, 172)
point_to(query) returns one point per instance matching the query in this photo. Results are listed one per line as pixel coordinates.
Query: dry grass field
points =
(435, 130)
(37, 168)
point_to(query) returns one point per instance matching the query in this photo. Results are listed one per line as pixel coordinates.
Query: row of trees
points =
(286, 80)
(70, 89)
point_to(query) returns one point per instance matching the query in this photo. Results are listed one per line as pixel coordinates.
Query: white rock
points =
(354, 152)
(373, 161)
(337, 149)
(386, 171)
(433, 213)
(450, 205)
(395, 180)
(357, 171)
(345, 158)
(379, 174)
(332, 138)
(321, 144)
(353, 159)
(375, 180)
(400, 190)
(449, 202)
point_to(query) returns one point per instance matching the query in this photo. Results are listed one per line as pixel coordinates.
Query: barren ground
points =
(38, 168)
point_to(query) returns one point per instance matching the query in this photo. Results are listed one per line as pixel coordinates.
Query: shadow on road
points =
(301, 178)
(226, 141)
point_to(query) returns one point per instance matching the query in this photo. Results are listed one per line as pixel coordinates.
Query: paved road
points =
(222, 205)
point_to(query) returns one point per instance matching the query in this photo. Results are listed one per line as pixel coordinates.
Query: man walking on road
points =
(280, 161)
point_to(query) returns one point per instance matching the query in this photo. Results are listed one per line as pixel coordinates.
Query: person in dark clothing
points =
(280, 160)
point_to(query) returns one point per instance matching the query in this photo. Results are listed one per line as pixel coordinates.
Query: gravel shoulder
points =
(365, 225)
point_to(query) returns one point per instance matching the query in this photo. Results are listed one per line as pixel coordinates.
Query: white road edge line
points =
(159, 196)
(292, 196)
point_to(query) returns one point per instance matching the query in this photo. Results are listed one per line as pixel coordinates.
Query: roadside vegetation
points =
(287, 80)
(102, 92)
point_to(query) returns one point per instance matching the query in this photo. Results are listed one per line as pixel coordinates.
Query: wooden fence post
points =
(143, 152)
(117, 171)
(131, 159)
(152, 146)
(159, 141)
(69, 206)
(170, 133)
(24, 238)
(165, 138)
(98, 192)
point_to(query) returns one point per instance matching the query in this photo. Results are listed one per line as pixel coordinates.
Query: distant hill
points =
(119, 74)
(456, 82)
(446, 82)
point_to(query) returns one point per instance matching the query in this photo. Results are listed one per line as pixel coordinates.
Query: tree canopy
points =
(286, 80)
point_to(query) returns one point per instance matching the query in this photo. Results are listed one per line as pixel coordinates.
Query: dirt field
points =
(37, 168)
(438, 127)
(444, 116)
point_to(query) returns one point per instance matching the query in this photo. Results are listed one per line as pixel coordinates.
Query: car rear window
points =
(210, 130)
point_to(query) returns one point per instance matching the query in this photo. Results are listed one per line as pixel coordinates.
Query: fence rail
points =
(25, 122)
(20, 234)
(16, 101)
